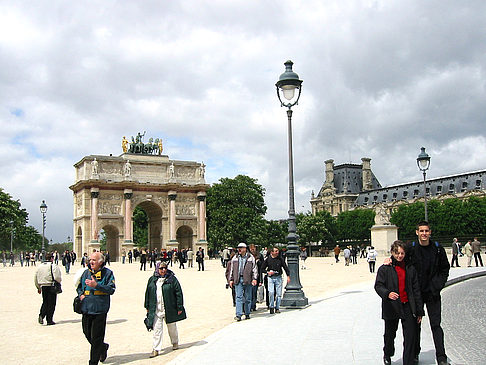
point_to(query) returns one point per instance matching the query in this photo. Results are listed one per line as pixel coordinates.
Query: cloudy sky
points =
(381, 79)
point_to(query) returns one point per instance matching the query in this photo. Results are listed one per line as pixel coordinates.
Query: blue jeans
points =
(275, 290)
(243, 299)
(68, 266)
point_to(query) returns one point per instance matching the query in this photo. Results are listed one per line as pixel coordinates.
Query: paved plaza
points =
(342, 326)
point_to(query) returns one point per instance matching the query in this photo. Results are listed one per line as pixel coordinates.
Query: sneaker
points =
(272, 311)
(238, 318)
(277, 310)
(104, 354)
(154, 354)
(51, 323)
(40, 319)
(247, 316)
(175, 346)
(386, 360)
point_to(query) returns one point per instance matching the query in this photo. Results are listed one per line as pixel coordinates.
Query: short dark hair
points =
(395, 245)
(423, 223)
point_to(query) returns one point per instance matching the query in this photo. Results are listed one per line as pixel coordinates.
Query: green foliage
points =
(450, 217)
(13, 219)
(316, 228)
(355, 224)
(235, 211)
(276, 232)
(140, 227)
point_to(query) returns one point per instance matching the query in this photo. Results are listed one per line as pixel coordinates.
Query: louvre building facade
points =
(350, 186)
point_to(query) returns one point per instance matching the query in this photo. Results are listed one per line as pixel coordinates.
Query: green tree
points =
(355, 224)
(235, 211)
(140, 227)
(13, 219)
(276, 232)
(316, 228)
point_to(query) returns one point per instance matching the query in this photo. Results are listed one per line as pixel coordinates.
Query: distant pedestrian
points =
(347, 256)
(143, 260)
(84, 260)
(12, 259)
(337, 251)
(354, 254)
(372, 255)
(469, 253)
(164, 301)
(303, 257)
(46, 274)
(124, 256)
(107, 258)
(455, 253)
(181, 258)
(130, 256)
(363, 252)
(200, 259)
(397, 284)
(227, 275)
(190, 257)
(476, 247)
(66, 261)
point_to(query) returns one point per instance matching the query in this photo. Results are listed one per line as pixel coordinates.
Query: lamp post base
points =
(294, 299)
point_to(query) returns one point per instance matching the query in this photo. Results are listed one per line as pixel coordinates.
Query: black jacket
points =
(439, 272)
(387, 282)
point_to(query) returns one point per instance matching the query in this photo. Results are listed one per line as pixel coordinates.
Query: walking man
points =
(430, 261)
(476, 247)
(274, 265)
(469, 253)
(455, 253)
(337, 250)
(44, 282)
(94, 289)
(243, 274)
(200, 259)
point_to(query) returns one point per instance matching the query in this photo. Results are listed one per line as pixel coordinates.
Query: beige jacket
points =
(43, 275)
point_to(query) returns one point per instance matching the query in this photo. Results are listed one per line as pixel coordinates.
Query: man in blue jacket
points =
(95, 287)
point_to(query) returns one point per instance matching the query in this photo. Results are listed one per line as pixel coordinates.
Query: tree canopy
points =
(355, 224)
(235, 212)
(13, 223)
(316, 228)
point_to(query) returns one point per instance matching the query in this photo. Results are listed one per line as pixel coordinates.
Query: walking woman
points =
(397, 285)
(163, 300)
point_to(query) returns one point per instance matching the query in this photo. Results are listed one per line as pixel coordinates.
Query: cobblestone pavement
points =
(464, 321)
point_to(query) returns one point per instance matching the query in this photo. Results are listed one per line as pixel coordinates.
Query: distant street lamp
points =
(423, 163)
(11, 235)
(287, 85)
(43, 209)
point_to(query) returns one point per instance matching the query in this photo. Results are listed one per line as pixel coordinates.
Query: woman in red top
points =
(397, 285)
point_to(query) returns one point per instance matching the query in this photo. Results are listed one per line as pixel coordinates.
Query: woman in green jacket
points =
(163, 300)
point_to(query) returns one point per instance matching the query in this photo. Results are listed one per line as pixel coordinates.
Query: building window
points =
(451, 188)
(394, 196)
(478, 184)
(405, 193)
(427, 191)
(385, 197)
(366, 200)
(415, 192)
(375, 198)
(439, 189)
(464, 186)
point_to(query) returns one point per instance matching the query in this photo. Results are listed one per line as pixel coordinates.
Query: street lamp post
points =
(287, 85)
(43, 209)
(423, 163)
(11, 235)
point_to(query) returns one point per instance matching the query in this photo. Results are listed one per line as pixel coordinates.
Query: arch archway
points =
(154, 228)
(79, 242)
(184, 237)
(112, 238)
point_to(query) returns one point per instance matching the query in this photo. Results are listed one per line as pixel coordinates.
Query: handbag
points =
(260, 294)
(55, 284)
(77, 305)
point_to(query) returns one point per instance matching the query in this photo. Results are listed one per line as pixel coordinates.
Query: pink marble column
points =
(172, 215)
(202, 216)
(94, 214)
(128, 214)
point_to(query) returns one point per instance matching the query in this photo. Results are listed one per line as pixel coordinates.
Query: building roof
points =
(452, 184)
(348, 178)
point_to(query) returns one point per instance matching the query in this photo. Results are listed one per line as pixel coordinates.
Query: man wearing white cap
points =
(243, 274)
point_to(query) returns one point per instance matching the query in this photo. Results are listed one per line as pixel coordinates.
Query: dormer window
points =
(451, 188)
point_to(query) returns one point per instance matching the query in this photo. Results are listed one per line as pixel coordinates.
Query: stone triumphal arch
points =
(107, 189)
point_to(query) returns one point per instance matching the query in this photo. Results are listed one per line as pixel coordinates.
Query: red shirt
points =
(400, 269)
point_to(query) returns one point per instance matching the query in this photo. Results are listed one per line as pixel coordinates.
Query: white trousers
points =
(157, 330)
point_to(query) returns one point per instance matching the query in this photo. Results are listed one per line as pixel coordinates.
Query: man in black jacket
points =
(274, 265)
(430, 261)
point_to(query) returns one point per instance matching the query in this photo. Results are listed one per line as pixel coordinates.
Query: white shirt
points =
(160, 312)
